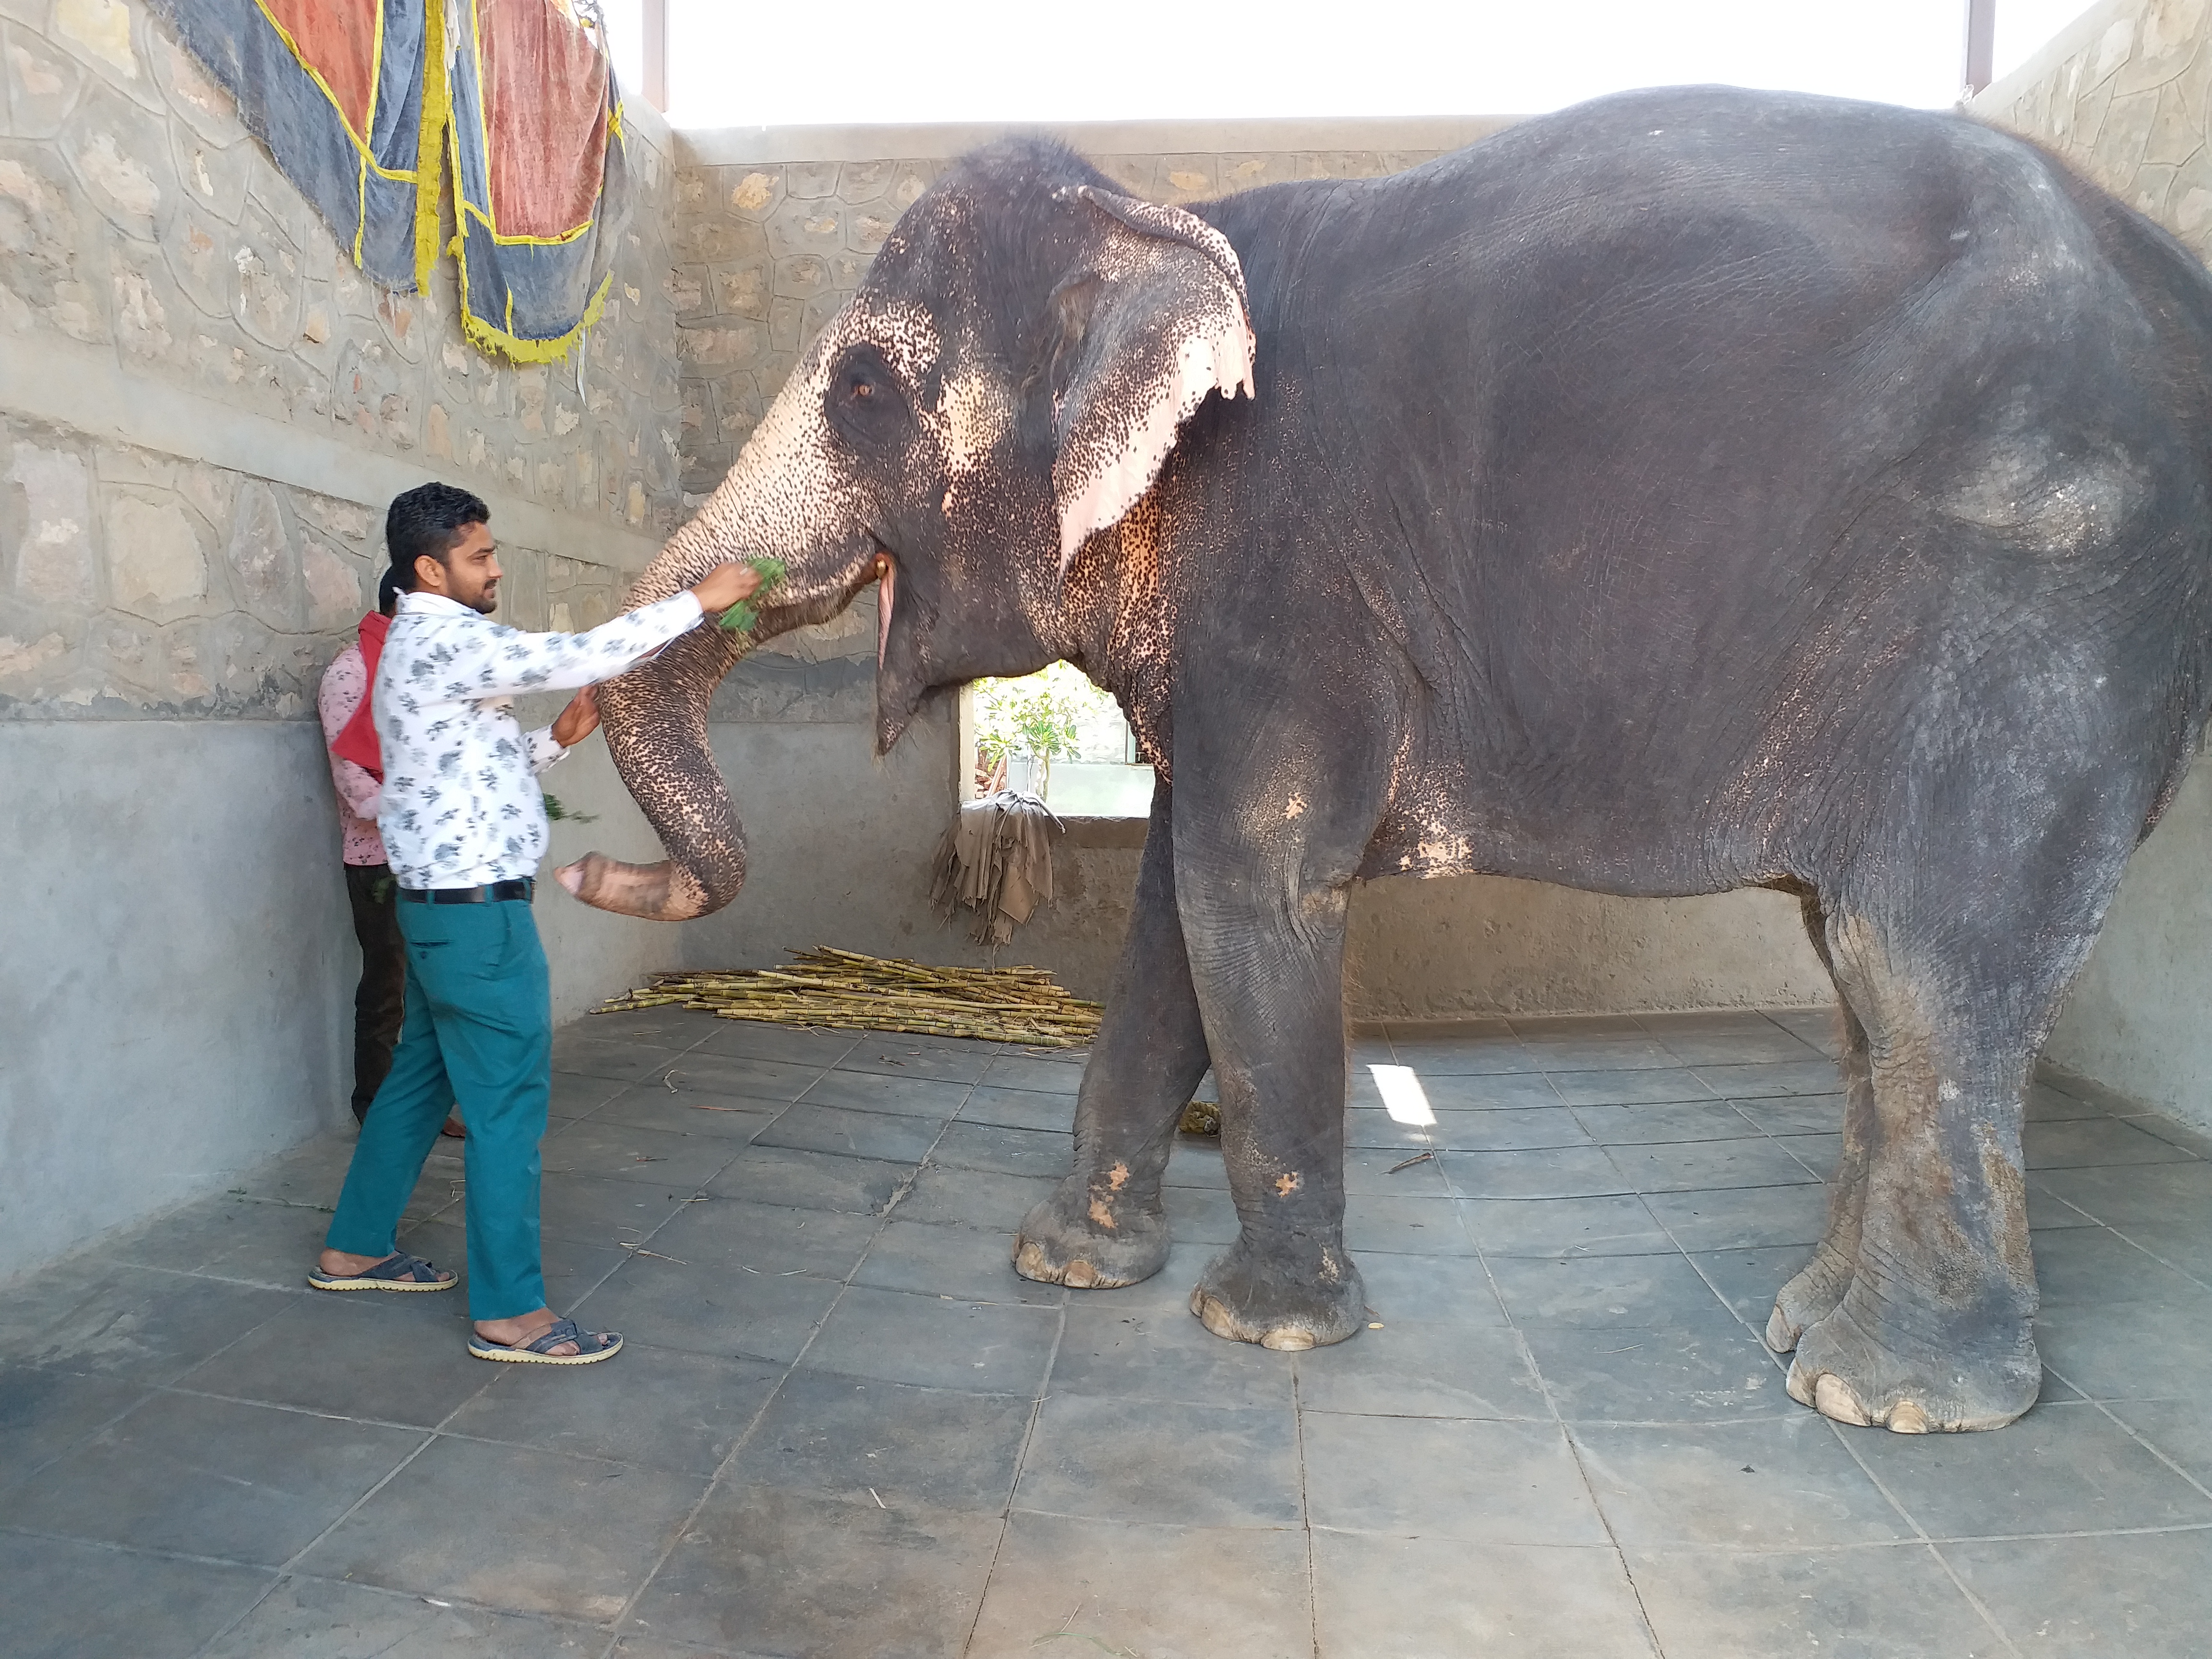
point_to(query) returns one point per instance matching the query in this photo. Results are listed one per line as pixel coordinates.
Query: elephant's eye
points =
(865, 405)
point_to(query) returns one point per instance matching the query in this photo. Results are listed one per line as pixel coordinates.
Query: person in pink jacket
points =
(357, 775)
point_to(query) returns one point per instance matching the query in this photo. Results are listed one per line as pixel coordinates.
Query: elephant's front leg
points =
(1266, 948)
(1105, 1226)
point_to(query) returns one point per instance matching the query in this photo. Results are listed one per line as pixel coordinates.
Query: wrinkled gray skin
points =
(1692, 490)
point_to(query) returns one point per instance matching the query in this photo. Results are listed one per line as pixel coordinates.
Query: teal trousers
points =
(478, 1032)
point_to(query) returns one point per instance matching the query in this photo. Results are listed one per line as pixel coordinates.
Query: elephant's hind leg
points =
(1813, 1293)
(1105, 1226)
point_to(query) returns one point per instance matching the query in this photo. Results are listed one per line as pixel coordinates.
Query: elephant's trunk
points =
(655, 716)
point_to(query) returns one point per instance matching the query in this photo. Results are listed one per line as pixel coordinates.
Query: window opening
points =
(1055, 735)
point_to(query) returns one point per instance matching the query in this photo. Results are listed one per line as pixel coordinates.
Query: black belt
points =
(520, 888)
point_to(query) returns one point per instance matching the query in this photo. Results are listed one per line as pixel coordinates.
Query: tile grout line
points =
(1305, 1517)
(616, 1632)
(1558, 1423)
(1021, 1461)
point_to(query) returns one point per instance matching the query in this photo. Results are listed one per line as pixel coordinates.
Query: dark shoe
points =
(398, 1272)
(591, 1346)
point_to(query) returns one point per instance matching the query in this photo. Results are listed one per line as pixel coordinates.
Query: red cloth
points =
(357, 742)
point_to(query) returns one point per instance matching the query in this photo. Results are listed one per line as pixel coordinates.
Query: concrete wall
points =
(2124, 95)
(773, 230)
(203, 409)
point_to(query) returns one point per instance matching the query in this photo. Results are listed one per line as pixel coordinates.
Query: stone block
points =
(211, 490)
(197, 247)
(267, 283)
(145, 299)
(303, 228)
(357, 528)
(707, 242)
(866, 231)
(334, 584)
(1132, 173)
(1185, 178)
(368, 378)
(408, 325)
(223, 363)
(51, 261)
(817, 314)
(2178, 129)
(2087, 125)
(801, 276)
(2122, 138)
(530, 391)
(806, 227)
(121, 155)
(742, 289)
(1242, 171)
(2147, 195)
(213, 178)
(784, 318)
(156, 566)
(100, 34)
(37, 660)
(685, 289)
(909, 180)
(811, 179)
(43, 85)
(206, 111)
(738, 345)
(753, 193)
(49, 522)
(264, 565)
(864, 181)
(692, 187)
(2168, 36)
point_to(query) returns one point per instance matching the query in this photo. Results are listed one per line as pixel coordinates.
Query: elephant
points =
(1694, 490)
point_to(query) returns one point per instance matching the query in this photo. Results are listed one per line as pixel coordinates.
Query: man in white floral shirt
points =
(463, 827)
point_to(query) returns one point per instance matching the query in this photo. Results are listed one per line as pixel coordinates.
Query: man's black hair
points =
(427, 519)
(387, 592)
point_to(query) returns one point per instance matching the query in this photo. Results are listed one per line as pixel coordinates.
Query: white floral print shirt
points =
(461, 806)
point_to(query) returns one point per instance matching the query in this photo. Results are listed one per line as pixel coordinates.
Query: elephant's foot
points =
(1844, 1372)
(1289, 1303)
(1810, 1297)
(1093, 1234)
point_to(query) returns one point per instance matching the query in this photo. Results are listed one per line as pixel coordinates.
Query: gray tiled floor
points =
(844, 1428)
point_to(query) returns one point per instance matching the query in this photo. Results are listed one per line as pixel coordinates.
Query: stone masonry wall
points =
(2124, 94)
(149, 247)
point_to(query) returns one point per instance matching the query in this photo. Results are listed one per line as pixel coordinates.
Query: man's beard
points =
(487, 601)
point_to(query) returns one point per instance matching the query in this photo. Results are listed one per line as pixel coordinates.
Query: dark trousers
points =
(380, 1001)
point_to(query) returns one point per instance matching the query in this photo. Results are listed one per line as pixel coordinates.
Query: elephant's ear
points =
(1157, 323)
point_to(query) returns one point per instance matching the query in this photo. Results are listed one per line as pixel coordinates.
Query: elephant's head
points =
(1005, 385)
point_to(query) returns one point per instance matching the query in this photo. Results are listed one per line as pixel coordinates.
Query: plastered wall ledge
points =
(84, 389)
(941, 141)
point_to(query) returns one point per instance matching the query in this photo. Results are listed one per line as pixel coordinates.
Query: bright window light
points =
(1403, 1097)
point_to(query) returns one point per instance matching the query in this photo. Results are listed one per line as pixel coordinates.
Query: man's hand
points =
(724, 586)
(579, 720)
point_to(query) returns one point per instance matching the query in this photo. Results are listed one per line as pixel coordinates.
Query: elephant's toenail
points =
(1080, 1275)
(1287, 1340)
(1907, 1418)
(1832, 1397)
(1781, 1334)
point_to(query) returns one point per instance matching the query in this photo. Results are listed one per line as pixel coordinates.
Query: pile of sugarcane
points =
(826, 987)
